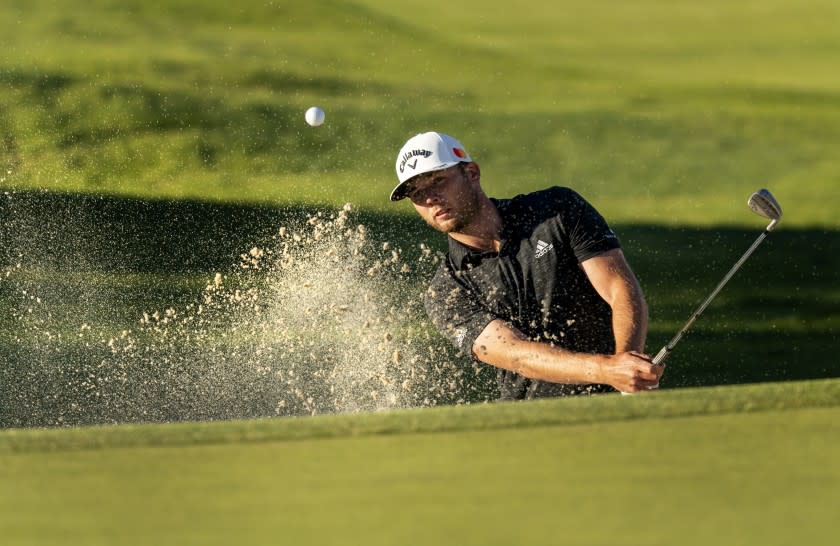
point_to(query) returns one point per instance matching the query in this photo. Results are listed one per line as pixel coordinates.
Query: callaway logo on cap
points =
(425, 153)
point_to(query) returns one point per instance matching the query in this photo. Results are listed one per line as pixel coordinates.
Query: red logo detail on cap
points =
(459, 153)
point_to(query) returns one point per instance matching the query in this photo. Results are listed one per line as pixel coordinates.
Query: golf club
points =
(762, 203)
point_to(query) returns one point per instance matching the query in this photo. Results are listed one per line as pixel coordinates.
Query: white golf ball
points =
(314, 116)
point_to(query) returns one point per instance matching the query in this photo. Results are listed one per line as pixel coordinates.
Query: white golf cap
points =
(425, 153)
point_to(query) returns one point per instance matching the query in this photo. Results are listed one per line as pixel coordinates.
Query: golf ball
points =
(314, 116)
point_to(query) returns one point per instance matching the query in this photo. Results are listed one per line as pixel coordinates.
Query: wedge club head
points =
(764, 204)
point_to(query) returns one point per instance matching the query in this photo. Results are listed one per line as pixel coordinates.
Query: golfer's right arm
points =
(503, 346)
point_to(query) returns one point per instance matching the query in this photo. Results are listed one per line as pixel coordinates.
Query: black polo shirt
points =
(535, 283)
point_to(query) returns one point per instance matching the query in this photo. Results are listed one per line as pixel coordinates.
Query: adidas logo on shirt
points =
(542, 248)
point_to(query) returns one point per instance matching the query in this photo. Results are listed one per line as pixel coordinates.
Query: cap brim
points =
(399, 192)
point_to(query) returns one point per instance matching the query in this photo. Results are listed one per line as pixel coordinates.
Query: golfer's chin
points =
(444, 223)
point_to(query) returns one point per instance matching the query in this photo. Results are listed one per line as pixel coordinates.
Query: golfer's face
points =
(444, 198)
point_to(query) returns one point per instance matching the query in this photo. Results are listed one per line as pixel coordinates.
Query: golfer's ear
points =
(473, 172)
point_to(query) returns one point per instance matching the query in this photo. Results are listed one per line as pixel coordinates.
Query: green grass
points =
(667, 113)
(144, 147)
(749, 465)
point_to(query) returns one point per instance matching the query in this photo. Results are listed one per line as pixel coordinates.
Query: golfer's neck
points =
(484, 232)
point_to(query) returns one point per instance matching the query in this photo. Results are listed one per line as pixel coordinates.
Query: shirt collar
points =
(460, 254)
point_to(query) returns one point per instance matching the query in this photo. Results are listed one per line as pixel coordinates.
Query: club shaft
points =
(660, 357)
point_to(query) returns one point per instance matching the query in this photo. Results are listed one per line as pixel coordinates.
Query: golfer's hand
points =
(632, 372)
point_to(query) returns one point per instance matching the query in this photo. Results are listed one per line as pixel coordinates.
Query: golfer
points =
(536, 285)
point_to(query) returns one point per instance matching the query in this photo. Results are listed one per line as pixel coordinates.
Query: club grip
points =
(660, 356)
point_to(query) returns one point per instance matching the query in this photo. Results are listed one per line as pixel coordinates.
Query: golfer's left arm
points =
(612, 278)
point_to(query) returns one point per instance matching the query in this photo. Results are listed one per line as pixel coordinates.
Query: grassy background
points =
(144, 146)
(748, 465)
(668, 113)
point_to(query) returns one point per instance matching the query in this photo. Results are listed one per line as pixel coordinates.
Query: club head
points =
(764, 204)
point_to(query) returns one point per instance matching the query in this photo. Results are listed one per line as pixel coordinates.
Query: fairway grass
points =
(548, 412)
(670, 113)
(746, 465)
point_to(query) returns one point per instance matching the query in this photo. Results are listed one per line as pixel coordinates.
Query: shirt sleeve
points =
(588, 232)
(454, 312)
